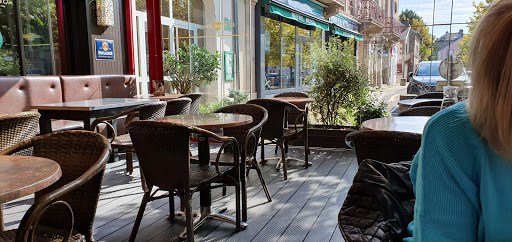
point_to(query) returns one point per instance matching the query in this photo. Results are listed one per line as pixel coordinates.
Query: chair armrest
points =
(226, 141)
(104, 119)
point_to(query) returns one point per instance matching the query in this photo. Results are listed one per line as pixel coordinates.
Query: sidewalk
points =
(390, 95)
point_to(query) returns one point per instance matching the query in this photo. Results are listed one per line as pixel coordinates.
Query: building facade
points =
(448, 44)
(409, 52)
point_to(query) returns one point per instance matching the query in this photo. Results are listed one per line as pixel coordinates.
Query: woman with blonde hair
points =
(462, 174)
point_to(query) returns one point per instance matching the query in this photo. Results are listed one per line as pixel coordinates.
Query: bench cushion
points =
(79, 88)
(17, 94)
(118, 86)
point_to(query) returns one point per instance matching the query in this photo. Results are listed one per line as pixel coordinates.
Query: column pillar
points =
(156, 71)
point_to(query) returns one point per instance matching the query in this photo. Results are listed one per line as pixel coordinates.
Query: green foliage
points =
(427, 46)
(480, 9)
(183, 75)
(234, 97)
(9, 68)
(370, 109)
(338, 82)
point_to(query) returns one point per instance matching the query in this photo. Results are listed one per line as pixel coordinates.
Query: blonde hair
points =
(490, 104)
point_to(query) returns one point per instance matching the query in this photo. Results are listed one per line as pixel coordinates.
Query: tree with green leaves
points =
(417, 23)
(480, 9)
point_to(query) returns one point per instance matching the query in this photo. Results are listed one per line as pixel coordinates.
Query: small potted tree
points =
(183, 75)
(341, 92)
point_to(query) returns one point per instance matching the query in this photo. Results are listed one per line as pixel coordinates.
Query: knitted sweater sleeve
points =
(447, 204)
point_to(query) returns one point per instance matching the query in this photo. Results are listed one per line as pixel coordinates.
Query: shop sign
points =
(3, 4)
(104, 49)
(218, 25)
(1, 40)
(229, 66)
(345, 23)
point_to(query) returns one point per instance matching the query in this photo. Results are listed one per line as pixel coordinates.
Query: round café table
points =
(210, 121)
(411, 124)
(297, 101)
(405, 104)
(166, 97)
(24, 175)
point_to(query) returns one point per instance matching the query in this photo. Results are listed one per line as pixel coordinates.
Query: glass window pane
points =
(166, 12)
(36, 37)
(288, 66)
(9, 60)
(272, 54)
(166, 37)
(197, 12)
(182, 37)
(140, 5)
(180, 10)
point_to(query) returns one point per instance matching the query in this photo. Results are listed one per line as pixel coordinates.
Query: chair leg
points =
(189, 220)
(263, 183)
(306, 152)
(275, 151)
(224, 191)
(237, 216)
(286, 146)
(172, 215)
(136, 225)
(263, 161)
(243, 185)
(283, 159)
(129, 162)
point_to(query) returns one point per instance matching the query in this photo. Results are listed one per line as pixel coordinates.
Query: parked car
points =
(426, 77)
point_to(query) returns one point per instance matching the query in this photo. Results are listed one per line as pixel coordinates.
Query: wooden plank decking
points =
(303, 208)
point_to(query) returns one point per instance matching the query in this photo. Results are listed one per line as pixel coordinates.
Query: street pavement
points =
(390, 95)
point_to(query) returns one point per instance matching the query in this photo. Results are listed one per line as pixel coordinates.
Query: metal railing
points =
(393, 26)
(370, 10)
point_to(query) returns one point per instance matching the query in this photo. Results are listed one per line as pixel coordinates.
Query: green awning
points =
(348, 34)
(263, 2)
(297, 16)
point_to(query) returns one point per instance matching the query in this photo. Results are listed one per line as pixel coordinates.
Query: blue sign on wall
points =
(104, 49)
(1, 40)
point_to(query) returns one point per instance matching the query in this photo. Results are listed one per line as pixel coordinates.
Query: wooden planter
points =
(321, 136)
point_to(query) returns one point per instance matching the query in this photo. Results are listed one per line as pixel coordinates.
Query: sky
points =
(462, 10)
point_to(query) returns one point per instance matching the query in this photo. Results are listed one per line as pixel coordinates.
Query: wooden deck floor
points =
(304, 207)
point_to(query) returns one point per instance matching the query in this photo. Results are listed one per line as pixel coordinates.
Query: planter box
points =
(321, 136)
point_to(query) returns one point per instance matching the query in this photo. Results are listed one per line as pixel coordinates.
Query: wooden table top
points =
(24, 175)
(412, 124)
(166, 97)
(209, 120)
(410, 102)
(294, 100)
(94, 104)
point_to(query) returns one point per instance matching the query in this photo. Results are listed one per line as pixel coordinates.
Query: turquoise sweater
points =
(463, 188)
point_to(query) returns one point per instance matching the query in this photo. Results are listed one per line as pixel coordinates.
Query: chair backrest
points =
(163, 153)
(274, 127)
(178, 106)
(292, 94)
(151, 111)
(438, 95)
(18, 127)
(384, 146)
(427, 103)
(196, 100)
(82, 157)
(420, 111)
(259, 118)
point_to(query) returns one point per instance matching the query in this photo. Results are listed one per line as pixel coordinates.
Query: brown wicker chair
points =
(247, 137)
(438, 95)
(164, 158)
(274, 130)
(18, 127)
(384, 146)
(420, 111)
(123, 143)
(82, 156)
(178, 106)
(196, 100)
(292, 94)
(427, 103)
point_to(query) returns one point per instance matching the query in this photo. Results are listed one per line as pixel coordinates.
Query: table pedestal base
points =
(209, 213)
(280, 163)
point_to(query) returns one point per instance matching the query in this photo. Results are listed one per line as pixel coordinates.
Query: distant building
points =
(449, 44)
(409, 51)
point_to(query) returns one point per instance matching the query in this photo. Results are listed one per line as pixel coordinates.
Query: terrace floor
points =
(304, 208)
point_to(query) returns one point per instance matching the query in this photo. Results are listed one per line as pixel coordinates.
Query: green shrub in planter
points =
(370, 109)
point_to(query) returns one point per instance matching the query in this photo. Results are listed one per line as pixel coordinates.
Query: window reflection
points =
(272, 54)
(9, 60)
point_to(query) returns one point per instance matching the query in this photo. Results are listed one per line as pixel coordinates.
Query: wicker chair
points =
(18, 127)
(178, 106)
(164, 158)
(292, 94)
(427, 103)
(123, 142)
(420, 111)
(274, 130)
(82, 156)
(247, 137)
(196, 100)
(438, 95)
(384, 146)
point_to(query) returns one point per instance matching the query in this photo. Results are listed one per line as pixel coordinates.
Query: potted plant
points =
(183, 75)
(341, 92)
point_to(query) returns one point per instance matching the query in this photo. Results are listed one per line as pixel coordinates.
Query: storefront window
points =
(9, 60)
(180, 10)
(272, 54)
(288, 67)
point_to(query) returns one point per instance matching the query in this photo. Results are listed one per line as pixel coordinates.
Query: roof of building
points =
(412, 31)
